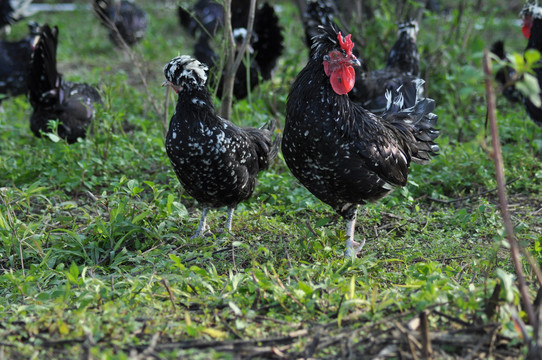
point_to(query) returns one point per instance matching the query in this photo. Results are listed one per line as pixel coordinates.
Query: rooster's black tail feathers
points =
(406, 105)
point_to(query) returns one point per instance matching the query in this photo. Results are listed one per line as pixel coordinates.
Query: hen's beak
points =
(166, 83)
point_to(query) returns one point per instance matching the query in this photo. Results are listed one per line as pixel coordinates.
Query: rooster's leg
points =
(229, 221)
(352, 246)
(202, 223)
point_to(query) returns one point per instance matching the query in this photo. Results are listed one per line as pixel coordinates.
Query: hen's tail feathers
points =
(267, 148)
(43, 78)
(417, 114)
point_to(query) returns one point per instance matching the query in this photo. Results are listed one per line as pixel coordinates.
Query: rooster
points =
(342, 153)
(14, 59)
(402, 66)
(532, 30)
(216, 161)
(126, 22)
(53, 98)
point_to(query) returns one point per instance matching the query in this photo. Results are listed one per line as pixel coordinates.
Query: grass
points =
(95, 251)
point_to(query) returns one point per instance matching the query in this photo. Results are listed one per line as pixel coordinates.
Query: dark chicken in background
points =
(341, 152)
(216, 161)
(266, 41)
(53, 98)
(205, 17)
(402, 66)
(14, 60)
(12, 11)
(532, 30)
(506, 75)
(125, 21)
(317, 12)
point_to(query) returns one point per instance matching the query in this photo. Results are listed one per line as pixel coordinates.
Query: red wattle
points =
(343, 79)
(526, 30)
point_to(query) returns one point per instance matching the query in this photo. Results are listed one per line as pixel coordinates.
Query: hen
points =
(342, 153)
(53, 98)
(532, 30)
(126, 22)
(402, 66)
(216, 161)
(14, 59)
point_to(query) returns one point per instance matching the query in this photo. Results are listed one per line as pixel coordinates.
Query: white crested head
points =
(533, 10)
(185, 71)
(409, 27)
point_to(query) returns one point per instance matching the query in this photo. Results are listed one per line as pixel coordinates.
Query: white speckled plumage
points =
(216, 161)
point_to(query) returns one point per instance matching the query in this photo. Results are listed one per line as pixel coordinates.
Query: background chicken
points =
(12, 11)
(216, 161)
(55, 99)
(266, 41)
(14, 60)
(342, 153)
(125, 21)
(532, 30)
(402, 66)
(506, 75)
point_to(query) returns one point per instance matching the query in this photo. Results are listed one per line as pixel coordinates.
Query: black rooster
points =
(215, 161)
(266, 42)
(14, 60)
(342, 153)
(126, 22)
(402, 66)
(12, 11)
(52, 98)
(532, 30)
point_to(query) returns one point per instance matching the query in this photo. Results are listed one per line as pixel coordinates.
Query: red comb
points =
(346, 43)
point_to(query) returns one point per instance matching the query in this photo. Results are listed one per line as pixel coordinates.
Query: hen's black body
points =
(344, 154)
(402, 67)
(53, 98)
(505, 75)
(128, 18)
(266, 42)
(533, 15)
(216, 161)
(14, 60)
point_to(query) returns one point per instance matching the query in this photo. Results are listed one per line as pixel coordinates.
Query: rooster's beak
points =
(355, 62)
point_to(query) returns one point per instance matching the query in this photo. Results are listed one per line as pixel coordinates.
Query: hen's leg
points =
(202, 225)
(229, 221)
(352, 246)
